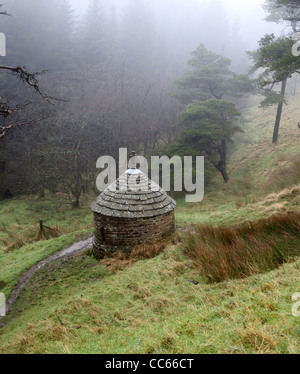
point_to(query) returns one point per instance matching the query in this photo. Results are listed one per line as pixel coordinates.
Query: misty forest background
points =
(128, 77)
(161, 77)
(114, 78)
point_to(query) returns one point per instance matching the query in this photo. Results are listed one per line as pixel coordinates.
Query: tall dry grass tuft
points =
(153, 247)
(236, 252)
(121, 260)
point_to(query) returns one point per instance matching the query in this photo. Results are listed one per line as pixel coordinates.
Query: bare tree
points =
(29, 80)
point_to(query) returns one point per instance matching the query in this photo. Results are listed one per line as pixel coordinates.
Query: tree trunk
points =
(279, 111)
(222, 164)
(222, 169)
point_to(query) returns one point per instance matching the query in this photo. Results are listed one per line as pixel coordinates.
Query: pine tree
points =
(275, 56)
(65, 28)
(283, 11)
(206, 127)
(138, 38)
(208, 122)
(211, 78)
(92, 34)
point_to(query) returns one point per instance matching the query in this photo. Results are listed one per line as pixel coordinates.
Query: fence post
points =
(41, 227)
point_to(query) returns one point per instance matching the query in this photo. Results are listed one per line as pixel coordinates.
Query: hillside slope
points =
(151, 306)
(265, 178)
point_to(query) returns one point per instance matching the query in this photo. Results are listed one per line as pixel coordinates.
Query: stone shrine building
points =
(127, 214)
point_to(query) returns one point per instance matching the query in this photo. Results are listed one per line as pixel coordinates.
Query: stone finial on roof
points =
(131, 165)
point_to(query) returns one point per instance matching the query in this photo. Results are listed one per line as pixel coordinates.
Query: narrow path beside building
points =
(70, 251)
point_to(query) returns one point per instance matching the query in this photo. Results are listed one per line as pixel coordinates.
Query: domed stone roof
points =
(133, 195)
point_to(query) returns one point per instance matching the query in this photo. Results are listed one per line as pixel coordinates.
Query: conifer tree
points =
(92, 34)
(208, 121)
(138, 38)
(275, 56)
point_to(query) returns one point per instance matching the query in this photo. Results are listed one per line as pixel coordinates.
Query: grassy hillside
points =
(20, 247)
(265, 178)
(150, 305)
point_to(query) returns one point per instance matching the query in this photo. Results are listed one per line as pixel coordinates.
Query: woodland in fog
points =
(128, 76)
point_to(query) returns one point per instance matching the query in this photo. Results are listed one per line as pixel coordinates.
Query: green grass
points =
(151, 308)
(15, 263)
(218, 211)
(20, 216)
(79, 305)
(256, 168)
(19, 228)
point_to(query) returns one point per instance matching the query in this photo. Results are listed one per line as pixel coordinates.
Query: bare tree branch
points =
(5, 128)
(29, 79)
(4, 13)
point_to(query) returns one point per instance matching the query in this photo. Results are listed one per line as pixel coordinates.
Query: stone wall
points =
(113, 233)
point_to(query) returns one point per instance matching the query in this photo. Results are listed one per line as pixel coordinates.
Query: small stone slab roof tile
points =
(138, 202)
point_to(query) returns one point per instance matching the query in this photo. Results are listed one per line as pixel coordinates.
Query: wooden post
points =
(42, 232)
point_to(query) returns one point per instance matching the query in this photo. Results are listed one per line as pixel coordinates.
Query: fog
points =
(112, 72)
(191, 249)
(247, 16)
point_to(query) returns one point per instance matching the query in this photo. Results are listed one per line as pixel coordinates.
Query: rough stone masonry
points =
(125, 217)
